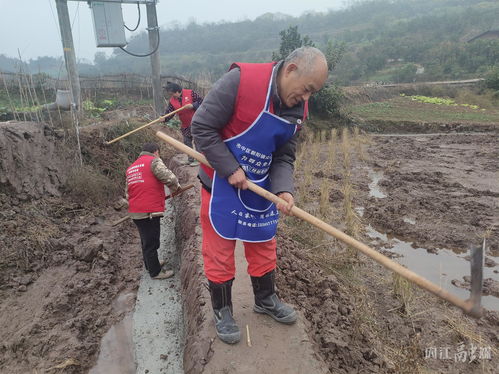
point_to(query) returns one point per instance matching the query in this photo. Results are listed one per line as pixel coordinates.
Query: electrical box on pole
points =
(108, 24)
(110, 32)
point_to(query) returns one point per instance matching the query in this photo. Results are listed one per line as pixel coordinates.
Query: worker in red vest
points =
(247, 128)
(145, 181)
(178, 98)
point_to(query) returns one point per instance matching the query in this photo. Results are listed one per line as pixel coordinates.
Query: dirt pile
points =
(61, 262)
(34, 159)
(328, 306)
(195, 295)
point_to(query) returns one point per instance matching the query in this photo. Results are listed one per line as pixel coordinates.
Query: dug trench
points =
(63, 267)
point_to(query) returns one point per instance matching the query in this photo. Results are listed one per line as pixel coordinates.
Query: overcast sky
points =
(32, 27)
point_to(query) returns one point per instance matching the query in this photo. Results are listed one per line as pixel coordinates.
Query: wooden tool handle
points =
(149, 124)
(183, 189)
(465, 305)
(121, 220)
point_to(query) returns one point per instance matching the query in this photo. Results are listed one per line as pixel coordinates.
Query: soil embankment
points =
(424, 127)
(34, 160)
(61, 262)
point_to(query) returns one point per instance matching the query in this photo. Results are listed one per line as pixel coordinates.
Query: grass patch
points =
(87, 185)
(406, 109)
(403, 290)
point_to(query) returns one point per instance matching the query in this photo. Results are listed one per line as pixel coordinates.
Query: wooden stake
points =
(465, 305)
(248, 339)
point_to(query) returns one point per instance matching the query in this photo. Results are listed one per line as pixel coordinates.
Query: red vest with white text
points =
(146, 194)
(185, 115)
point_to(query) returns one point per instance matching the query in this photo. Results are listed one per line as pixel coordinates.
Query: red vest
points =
(146, 194)
(251, 95)
(186, 114)
(250, 100)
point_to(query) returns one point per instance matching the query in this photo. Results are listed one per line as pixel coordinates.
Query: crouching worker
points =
(145, 181)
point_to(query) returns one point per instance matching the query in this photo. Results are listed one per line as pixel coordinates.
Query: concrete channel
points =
(151, 338)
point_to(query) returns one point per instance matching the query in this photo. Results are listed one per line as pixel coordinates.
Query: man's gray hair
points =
(305, 58)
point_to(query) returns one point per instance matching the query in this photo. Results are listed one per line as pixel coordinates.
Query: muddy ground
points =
(60, 260)
(438, 192)
(447, 183)
(61, 265)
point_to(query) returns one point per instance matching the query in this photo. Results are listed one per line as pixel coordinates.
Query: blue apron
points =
(242, 214)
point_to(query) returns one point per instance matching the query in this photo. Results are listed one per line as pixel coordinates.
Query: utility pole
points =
(69, 52)
(153, 30)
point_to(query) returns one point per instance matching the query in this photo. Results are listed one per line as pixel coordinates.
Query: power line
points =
(53, 15)
(145, 55)
(138, 22)
(76, 13)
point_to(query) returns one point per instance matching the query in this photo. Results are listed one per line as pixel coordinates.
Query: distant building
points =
(392, 60)
(491, 34)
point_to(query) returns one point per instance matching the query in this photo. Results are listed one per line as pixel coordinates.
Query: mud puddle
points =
(117, 353)
(374, 188)
(440, 268)
(432, 204)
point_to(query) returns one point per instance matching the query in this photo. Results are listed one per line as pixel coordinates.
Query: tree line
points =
(388, 40)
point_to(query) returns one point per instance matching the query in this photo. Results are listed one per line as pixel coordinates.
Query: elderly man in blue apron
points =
(247, 128)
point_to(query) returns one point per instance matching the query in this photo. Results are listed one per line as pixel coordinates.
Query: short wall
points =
(199, 333)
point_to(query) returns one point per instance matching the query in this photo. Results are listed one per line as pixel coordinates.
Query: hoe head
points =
(477, 260)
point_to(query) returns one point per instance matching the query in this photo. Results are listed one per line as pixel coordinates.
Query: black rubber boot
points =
(266, 300)
(221, 300)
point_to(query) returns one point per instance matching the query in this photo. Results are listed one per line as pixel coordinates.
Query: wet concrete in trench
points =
(150, 339)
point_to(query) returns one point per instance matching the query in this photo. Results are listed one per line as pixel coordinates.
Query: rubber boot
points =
(221, 300)
(266, 300)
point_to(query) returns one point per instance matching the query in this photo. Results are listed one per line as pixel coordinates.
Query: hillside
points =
(429, 33)
(384, 40)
